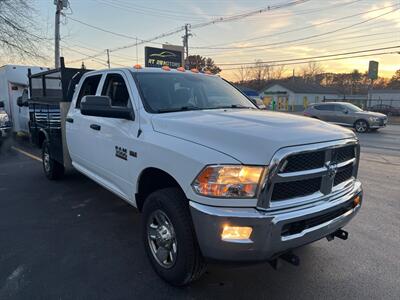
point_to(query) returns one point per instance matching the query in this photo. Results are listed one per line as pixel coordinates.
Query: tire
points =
(361, 126)
(180, 261)
(52, 168)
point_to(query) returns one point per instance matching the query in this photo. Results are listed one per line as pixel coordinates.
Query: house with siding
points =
(290, 95)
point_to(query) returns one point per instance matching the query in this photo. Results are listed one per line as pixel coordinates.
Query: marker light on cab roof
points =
(194, 70)
(181, 69)
(137, 66)
(166, 68)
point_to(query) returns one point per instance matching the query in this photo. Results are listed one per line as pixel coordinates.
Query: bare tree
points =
(243, 74)
(19, 34)
(311, 71)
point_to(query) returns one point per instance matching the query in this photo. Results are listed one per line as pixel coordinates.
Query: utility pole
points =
(186, 43)
(60, 5)
(108, 58)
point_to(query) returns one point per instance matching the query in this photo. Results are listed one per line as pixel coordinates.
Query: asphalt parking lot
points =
(72, 239)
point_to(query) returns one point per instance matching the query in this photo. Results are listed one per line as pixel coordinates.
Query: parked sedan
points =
(386, 109)
(346, 114)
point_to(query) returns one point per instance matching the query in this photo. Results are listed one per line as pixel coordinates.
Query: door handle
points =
(69, 120)
(95, 126)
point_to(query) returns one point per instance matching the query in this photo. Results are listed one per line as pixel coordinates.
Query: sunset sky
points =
(303, 30)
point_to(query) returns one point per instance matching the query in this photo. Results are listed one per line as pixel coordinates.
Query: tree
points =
(394, 82)
(18, 30)
(311, 71)
(202, 64)
(243, 74)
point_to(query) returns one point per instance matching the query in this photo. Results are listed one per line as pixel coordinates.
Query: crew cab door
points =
(118, 138)
(82, 140)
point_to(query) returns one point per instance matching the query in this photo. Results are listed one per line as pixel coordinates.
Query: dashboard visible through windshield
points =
(170, 92)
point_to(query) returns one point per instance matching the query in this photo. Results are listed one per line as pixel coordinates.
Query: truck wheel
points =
(52, 168)
(361, 126)
(169, 237)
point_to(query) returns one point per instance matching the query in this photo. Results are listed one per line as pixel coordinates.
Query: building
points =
(295, 96)
(384, 96)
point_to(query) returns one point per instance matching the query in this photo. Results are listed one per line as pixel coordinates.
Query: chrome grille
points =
(298, 175)
(304, 161)
(287, 190)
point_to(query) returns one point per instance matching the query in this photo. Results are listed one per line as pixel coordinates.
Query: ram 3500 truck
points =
(214, 177)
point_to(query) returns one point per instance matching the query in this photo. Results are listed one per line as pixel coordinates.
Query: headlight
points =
(374, 119)
(229, 181)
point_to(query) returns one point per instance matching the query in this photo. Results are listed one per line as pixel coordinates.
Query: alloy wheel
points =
(162, 239)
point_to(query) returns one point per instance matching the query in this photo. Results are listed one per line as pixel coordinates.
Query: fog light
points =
(236, 233)
(356, 201)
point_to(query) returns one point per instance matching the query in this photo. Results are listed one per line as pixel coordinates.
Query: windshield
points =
(352, 107)
(168, 92)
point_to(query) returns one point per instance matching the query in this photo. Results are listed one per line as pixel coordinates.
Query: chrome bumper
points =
(267, 239)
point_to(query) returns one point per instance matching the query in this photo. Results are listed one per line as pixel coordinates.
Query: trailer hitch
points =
(288, 257)
(340, 233)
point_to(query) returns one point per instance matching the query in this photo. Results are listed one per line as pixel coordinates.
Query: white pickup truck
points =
(214, 177)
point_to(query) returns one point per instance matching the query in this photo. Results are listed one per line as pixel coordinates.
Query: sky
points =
(309, 29)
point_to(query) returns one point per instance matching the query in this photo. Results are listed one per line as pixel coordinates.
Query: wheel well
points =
(150, 180)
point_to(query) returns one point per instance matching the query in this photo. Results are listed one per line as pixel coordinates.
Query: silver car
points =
(346, 114)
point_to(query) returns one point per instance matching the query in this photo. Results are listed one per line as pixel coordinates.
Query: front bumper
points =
(270, 236)
(378, 124)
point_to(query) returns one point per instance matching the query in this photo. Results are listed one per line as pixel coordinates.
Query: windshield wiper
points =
(175, 109)
(232, 106)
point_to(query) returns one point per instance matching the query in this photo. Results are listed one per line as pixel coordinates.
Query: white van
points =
(13, 84)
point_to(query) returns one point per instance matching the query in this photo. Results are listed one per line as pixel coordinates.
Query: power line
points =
(302, 28)
(179, 29)
(300, 39)
(315, 61)
(248, 14)
(309, 58)
(318, 42)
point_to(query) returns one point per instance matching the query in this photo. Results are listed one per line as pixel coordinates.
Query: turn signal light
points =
(236, 233)
(356, 201)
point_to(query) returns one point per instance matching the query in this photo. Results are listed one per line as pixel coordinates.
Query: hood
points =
(250, 136)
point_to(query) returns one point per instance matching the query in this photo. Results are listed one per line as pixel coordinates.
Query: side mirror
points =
(1, 105)
(100, 106)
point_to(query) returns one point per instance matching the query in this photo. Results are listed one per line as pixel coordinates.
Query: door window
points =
(89, 87)
(115, 88)
(325, 107)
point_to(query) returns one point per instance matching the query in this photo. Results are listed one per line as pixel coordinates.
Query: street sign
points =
(158, 57)
(373, 70)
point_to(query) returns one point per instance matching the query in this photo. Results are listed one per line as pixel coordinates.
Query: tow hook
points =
(288, 257)
(340, 233)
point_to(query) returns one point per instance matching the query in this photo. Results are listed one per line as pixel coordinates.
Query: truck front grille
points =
(304, 161)
(308, 173)
(287, 190)
(343, 174)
